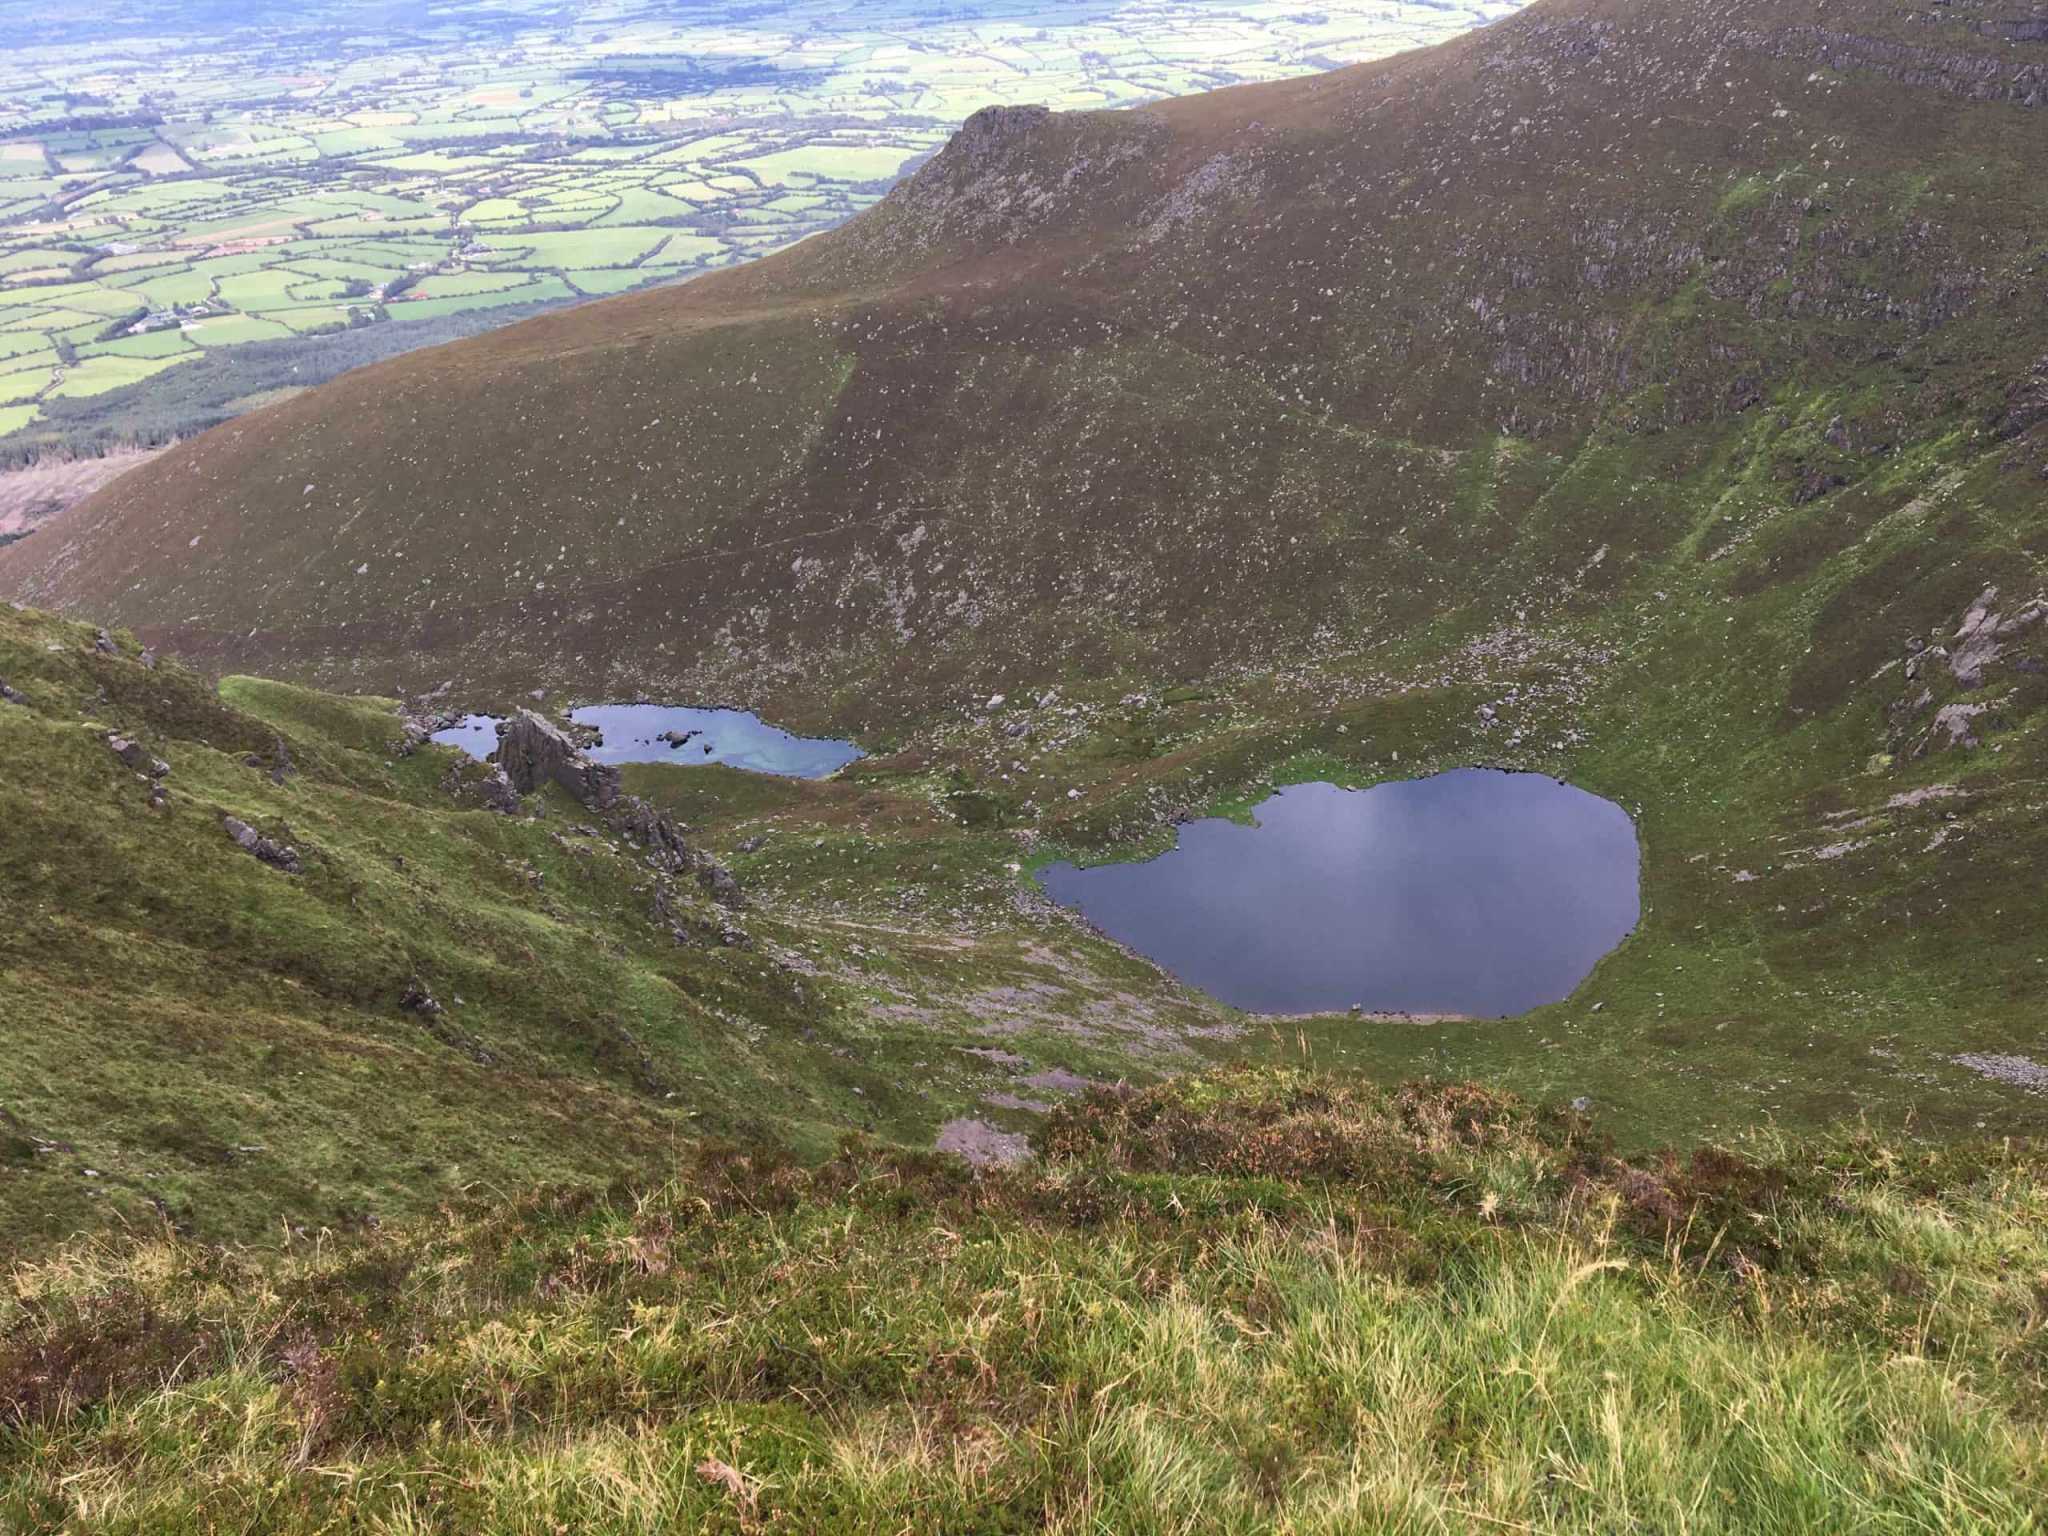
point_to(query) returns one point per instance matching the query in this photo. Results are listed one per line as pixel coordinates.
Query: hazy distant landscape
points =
(202, 208)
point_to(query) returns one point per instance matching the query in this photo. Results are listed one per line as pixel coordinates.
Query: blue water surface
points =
(632, 734)
(1471, 892)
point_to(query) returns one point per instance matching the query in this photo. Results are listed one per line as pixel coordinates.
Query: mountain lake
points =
(661, 733)
(1474, 892)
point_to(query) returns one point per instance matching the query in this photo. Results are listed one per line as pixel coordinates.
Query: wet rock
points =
(678, 739)
(277, 855)
(534, 751)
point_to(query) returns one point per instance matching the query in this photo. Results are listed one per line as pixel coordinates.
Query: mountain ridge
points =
(1537, 342)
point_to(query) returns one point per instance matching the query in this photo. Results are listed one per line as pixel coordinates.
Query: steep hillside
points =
(268, 962)
(1649, 393)
(1238, 1304)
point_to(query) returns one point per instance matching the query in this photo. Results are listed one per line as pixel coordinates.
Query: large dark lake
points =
(661, 733)
(1470, 892)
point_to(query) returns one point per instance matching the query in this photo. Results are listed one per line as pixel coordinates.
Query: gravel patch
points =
(983, 1144)
(2019, 1071)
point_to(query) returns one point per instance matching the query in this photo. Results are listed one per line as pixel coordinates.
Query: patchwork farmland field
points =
(201, 204)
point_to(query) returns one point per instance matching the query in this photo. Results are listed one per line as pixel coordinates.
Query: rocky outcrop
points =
(492, 789)
(719, 883)
(534, 751)
(2026, 403)
(648, 827)
(1954, 725)
(137, 757)
(1983, 637)
(1969, 74)
(417, 999)
(279, 762)
(1993, 650)
(654, 830)
(276, 854)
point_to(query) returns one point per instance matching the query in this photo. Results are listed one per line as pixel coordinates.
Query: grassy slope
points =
(192, 1031)
(1239, 1303)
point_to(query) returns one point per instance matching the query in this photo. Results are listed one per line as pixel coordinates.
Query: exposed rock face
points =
(417, 999)
(534, 751)
(719, 881)
(655, 830)
(2026, 403)
(497, 793)
(994, 129)
(1984, 636)
(269, 850)
(1993, 649)
(493, 791)
(1954, 722)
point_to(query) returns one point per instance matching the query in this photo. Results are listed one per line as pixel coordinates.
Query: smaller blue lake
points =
(660, 733)
(1472, 892)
